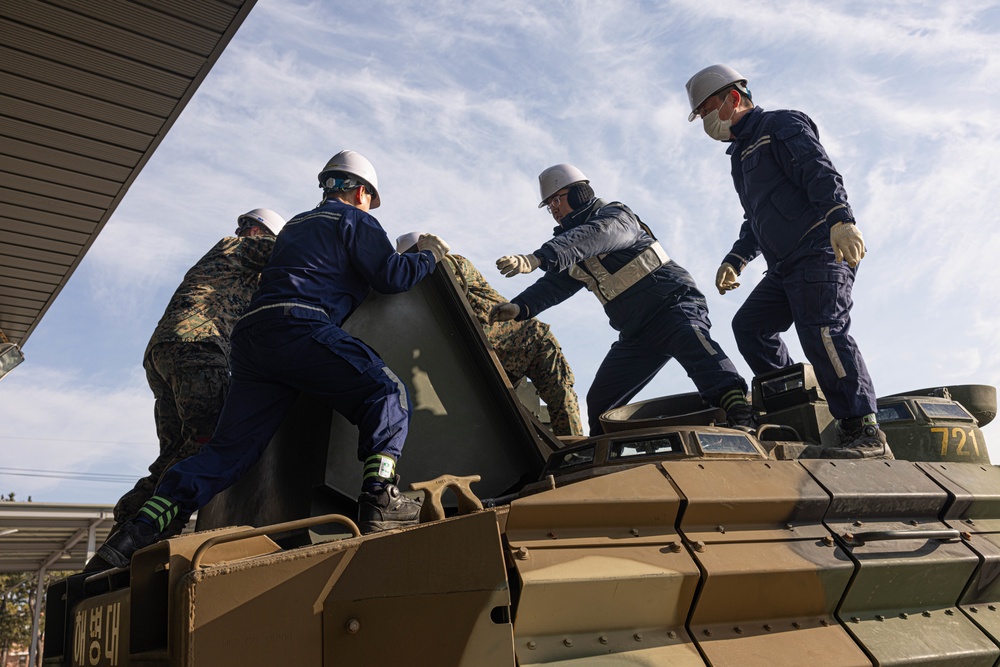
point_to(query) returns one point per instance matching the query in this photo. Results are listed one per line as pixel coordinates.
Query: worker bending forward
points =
(650, 299)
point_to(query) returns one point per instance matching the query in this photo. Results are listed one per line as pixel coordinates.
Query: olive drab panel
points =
(406, 596)
(457, 388)
(911, 568)
(975, 511)
(465, 411)
(755, 530)
(603, 576)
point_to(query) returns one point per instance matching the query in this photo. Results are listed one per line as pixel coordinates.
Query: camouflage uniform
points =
(187, 358)
(526, 349)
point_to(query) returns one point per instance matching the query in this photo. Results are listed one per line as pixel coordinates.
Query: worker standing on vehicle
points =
(796, 214)
(525, 349)
(650, 299)
(290, 340)
(187, 358)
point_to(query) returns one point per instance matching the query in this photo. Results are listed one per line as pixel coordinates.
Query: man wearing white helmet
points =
(290, 340)
(795, 214)
(650, 299)
(187, 358)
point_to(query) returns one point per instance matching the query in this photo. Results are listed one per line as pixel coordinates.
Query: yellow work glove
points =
(725, 278)
(435, 244)
(845, 237)
(503, 312)
(511, 265)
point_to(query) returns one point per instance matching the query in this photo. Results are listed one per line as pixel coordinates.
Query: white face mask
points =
(717, 128)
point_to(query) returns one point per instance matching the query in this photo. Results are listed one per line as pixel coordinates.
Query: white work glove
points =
(435, 244)
(845, 237)
(725, 278)
(503, 312)
(511, 265)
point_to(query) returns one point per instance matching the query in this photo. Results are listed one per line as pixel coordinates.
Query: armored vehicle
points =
(668, 540)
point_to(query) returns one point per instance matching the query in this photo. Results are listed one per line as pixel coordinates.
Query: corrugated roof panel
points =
(41, 281)
(164, 27)
(49, 219)
(59, 253)
(215, 16)
(16, 297)
(60, 159)
(92, 129)
(138, 97)
(17, 87)
(68, 140)
(58, 207)
(47, 173)
(141, 42)
(39, 236)
(90, 88)
(10, 283)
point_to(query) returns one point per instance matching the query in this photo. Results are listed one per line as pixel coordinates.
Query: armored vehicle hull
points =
(669, 540)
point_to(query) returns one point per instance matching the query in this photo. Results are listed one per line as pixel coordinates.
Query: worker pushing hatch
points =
(290, 339)
(649, 298)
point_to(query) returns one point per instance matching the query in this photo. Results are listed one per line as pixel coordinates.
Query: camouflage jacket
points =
(214, 293)
(507, 338)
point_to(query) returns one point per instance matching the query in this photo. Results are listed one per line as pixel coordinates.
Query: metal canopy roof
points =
(51, 536)
(88, 89)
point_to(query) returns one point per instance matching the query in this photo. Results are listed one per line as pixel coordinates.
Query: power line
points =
(105, 442)
(74, 476)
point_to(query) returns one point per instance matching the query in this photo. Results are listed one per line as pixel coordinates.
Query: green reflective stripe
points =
(161, 510)
(731, 398)
(148, 512)
(379, 465)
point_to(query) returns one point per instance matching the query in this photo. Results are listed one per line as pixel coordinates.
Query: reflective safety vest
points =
(606, 286)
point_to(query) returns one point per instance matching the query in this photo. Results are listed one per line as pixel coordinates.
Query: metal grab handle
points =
(883, 535)
(276, 528)
(764, 428)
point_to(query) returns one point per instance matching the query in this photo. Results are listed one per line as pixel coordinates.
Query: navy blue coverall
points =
(325, 262)
(791, 196)
(660, 317)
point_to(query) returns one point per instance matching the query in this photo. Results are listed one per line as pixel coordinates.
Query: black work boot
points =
(117, 550)
(859, 440)
(741, 416)
(386, 509)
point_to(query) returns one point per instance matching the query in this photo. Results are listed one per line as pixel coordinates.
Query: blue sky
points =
(460, 105)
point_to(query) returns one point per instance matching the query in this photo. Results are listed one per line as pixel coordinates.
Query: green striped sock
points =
(159, 511)
(379, 469)
(731, 398)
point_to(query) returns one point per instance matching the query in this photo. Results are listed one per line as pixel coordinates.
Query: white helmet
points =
(557, 177)
(262, 217)
(407, 241)
(709, 81)
(355, 164)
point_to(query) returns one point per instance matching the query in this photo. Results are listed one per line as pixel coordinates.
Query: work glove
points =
(845, 237)
(435, 244)
(725, 278)
(503, 312)
(511, 265)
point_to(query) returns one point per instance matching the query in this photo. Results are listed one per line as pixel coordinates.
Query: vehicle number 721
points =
(959, 436)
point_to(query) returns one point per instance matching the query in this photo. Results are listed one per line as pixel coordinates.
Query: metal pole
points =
(92, 539)
(36, 617)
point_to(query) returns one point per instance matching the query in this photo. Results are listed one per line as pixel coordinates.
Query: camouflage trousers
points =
(535, 354)
(189, 383)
